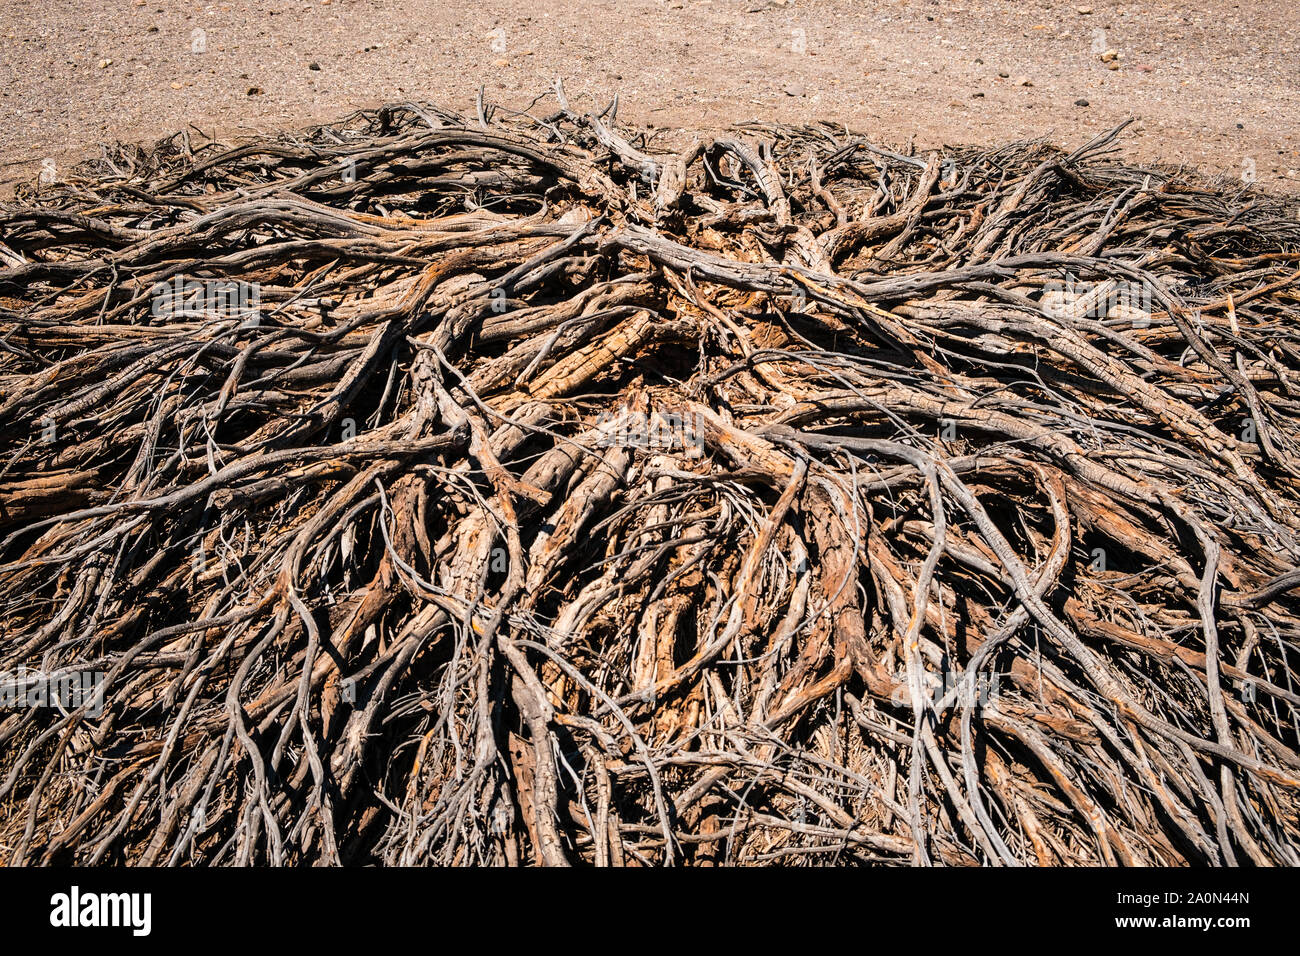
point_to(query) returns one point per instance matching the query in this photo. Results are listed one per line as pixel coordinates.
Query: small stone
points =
(1024, 81)
(1004, 75)
(254, 91)
(104, 64)
(177, 86)
(1080, 102)
(314, 66)
(1113, 65)
(1110, 56)
(977, 95)
(1083, 11)
(500, 62)
(794, 89)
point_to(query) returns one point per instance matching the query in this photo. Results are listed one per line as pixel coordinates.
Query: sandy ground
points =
(1213, 85)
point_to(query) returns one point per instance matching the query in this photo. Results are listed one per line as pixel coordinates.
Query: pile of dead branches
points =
(513, 488)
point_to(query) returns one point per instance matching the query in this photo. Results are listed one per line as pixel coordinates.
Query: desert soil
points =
(1212, 85)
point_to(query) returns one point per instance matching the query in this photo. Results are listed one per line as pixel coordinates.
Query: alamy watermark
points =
(67, 691)
(1073, 298)
(74, 909)
(207, 298)
(987, 688)
(654, 431)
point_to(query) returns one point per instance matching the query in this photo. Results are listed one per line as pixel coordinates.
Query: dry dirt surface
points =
(1213, 85)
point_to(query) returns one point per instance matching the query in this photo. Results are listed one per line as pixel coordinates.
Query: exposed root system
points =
(508, 489)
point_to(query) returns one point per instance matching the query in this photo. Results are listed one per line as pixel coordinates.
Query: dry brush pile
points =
(547, 496)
